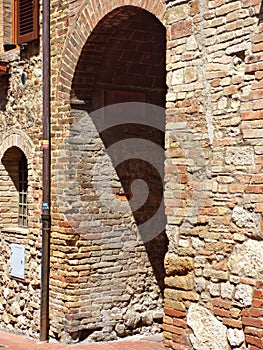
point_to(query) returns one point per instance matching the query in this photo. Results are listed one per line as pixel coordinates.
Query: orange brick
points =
(221, 266)
(255, 341)
(174, 313)
(257, 303)
(172, 329)
(230, 90)
(252, 312)
(257, 105)
(179, 323)
(232, 323)
(221, 312)
(221, 303)
(254, 189)
(253, 322)
(247, 280)
(257, 47)
(257, 37)
(252, 133)
(254, 331)
(181, 29)
(251, 115)
(258, 293)
(236, 188)
(180, 340)
(257, 179)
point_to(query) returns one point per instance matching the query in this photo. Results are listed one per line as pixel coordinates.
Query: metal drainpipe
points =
(46, 219)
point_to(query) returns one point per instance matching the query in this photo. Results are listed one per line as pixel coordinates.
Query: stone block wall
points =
(20, 133)
(214, 216)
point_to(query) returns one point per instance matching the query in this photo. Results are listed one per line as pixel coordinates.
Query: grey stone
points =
(120, 330)
(6, 292)
(132, 318)
(197, 243)
(158, 315)
(147, 318)
(22, 320)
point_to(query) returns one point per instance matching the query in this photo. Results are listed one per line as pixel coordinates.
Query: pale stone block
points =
(236, 337)
(227, 290)
(208, 332)
(247, 259)
(244, 294)
(178, 77)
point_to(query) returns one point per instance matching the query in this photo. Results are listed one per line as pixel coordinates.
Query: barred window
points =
(23, 184)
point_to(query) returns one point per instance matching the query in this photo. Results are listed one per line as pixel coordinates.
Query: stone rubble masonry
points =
(104, 283)
(215, 80)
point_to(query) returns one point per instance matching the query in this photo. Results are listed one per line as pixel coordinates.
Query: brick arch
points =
(86, 20)
(18, 139)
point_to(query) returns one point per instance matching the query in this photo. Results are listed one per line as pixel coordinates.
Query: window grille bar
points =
(23, 183)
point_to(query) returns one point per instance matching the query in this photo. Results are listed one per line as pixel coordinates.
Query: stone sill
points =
(11, 55)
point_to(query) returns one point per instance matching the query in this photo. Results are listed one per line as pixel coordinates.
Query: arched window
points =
(14, 188)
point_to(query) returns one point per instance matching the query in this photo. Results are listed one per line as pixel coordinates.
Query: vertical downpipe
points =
(45, 217)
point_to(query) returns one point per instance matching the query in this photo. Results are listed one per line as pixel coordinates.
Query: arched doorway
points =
(122, 278)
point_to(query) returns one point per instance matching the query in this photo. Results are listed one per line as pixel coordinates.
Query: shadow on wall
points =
(133, 169)
(123, 61)
(11, 161)
(260, 15)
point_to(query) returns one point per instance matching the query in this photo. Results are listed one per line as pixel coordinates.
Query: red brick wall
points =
(90, 14)
(252, 319)
(105, 52)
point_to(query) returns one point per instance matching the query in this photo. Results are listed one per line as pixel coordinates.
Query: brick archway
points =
(18, 139)
(93, 39)
(86, 20)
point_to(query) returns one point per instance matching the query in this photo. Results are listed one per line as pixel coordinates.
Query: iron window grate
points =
(23, 184)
